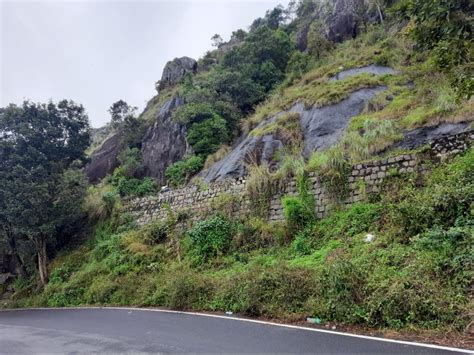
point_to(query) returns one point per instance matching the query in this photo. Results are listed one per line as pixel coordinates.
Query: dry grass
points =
(218, 155)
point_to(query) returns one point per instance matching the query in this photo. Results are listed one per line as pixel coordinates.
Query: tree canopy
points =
(38, 144)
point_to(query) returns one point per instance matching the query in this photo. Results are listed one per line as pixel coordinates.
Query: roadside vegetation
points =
(400, 259)
(415, 273)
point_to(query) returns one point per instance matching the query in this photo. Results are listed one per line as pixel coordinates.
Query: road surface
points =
(114, 330)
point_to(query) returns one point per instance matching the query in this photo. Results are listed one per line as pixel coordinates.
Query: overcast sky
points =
(97, 52)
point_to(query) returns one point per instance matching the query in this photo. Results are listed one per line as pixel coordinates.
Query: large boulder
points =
(321, 128)
(165, 142)
(249, 150)
(338, 20)
(175, 70)
(104, 160)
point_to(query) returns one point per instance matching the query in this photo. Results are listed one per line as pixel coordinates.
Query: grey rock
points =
(339, 20)
(165, 142)
(175, 70)
(420, 136)
(370, 69)
(324, 126)
(250, 150)
(321, 127)
(103, 160)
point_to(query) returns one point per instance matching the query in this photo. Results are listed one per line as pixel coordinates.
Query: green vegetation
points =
(181, 172)
(414, 274)
(42, 189)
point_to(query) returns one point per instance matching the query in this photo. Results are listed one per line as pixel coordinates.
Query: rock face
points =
(321, 128)
(370, 69)
(165, 142)
(175, 70)
(104, 159)
(420, 136)
(339, 20)
(250, 149)
(324, 126)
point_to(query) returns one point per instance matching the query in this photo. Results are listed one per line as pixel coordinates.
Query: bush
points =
(130, 161)
(100, 201)
(181, 172)
(296, 213)
(272, 291)
(155, 233)
(188, 291)
(211, 237)
(136, 187)
(207, 136)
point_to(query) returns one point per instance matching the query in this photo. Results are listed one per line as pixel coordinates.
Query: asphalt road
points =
(128, 330)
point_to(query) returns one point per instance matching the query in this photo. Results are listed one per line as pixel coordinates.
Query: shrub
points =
(272, 291)
(260, 186)
(130, 161)
(136, 187)
(211, 237)
(226, 204)
(205, 137)
(188, 291)
(296, 212)
(100, 202)
(155, 233)
(180, 172)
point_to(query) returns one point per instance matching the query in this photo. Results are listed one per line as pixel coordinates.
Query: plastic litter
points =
(315, 320)
(369, 238)
(229, 313)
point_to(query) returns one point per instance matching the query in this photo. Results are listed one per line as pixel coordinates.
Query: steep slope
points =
(165, 141)
(321, 127)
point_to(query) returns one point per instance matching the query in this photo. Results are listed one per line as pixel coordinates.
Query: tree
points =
(274, 18)
(217, 40)
(38, 143)
(120, 112)
(445, 27)
(205, 137)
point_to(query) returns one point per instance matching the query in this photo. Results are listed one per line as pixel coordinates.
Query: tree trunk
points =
(379, 11)
(18, 261)
(42, 261)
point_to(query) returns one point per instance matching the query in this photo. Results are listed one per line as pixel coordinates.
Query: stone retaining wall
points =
(364, 179)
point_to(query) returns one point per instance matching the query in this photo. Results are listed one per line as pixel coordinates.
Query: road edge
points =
(249, 320)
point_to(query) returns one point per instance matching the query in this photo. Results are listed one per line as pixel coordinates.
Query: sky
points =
(97, 52)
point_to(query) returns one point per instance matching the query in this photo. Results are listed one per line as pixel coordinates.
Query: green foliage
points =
(124, 176)
(120, 112)
(334, 168)
(181, 172)
(211, 237)
(295, 212)
(445, 27)
(38, 143)
(260, 185)
(136, 187)
(273, 291)
(299, 210)
(155, 233)
(205, 137)
(318, 44)
(298, 65)
(286, 128)
(130, 160)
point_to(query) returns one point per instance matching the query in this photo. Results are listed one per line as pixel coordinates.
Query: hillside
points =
(322, 141)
